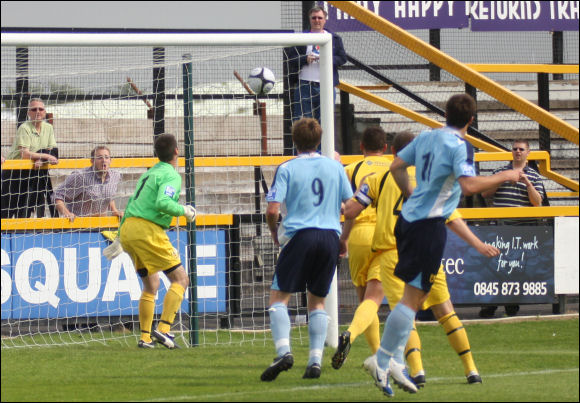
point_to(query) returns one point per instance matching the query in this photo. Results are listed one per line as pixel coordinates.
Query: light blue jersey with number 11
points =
(310, 188)
(440, 157)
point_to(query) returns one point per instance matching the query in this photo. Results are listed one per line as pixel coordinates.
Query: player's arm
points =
(352, 208)
(491, 191)
(272, 217)
(361, 199)
(459, 226)
(477, 184)
(401, 176)
(167, 205)
(346, 229)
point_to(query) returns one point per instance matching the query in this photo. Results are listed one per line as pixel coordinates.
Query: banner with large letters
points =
(476, 15)
(59, 275)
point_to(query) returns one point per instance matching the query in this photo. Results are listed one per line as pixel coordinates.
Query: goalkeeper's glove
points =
(113, 250)
(189, 213)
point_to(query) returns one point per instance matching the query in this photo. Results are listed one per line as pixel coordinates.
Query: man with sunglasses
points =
(23, 190)
(528, 192)
(304, 69)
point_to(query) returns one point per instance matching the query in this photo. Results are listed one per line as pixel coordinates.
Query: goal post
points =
(133, 40)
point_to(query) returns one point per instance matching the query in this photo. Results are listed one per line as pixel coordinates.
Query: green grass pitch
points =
(526, 361)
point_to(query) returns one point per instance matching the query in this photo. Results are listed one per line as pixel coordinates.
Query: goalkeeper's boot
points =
(144, 344)
(312, 371)
(167, 339)
(401, 376)
(473, 377)
(380, 376)
(342, 350)
(419, 379)
(282, 363)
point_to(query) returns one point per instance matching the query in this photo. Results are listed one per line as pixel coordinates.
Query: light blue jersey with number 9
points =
(310, 188)
(440, 156)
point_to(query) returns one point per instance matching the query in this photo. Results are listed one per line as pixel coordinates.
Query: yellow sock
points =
(363, 317)
(413, 353)
(146, 312)
(171, 305)
(372, 334)
(457, 337)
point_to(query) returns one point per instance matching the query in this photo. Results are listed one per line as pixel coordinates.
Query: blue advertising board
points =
(60, 275)
(522, 273)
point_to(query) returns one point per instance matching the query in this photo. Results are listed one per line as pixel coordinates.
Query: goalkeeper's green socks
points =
(146, 312)
(457, 337)
(171, 305)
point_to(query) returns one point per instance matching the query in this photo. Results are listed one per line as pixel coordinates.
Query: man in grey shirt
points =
(90, 192)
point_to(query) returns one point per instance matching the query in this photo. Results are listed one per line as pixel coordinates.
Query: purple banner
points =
(485, 15)
(406, 14)
(524, 15)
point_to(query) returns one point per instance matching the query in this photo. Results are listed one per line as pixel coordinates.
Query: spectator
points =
(528, 192)
(90, 192)
(304, 69)
(25, 190)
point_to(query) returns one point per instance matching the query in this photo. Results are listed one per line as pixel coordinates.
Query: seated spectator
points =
(24, 190)
(90, 192)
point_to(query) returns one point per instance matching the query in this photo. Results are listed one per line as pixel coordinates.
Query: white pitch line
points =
(339, 385)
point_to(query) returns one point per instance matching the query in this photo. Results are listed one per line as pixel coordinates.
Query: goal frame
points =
(324, 40)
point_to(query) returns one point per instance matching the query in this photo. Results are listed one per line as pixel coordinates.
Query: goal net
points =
(121, 91)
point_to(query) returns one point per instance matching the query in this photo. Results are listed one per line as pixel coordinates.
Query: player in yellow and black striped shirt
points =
(382, 192)
(365, 276)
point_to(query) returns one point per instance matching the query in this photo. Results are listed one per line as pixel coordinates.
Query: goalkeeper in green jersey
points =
(142, 235)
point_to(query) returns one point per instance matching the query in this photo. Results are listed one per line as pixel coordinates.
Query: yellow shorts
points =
(393, 286)
(363, 268)
(148, 245)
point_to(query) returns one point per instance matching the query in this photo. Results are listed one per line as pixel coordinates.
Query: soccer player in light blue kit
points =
(444, 169)
(312, 188)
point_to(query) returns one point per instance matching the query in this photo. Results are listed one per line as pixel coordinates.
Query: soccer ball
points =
(261, 80)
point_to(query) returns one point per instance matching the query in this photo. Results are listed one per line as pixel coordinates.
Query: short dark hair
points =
(165, 146)
(522, 141)
(316, 9)
(374, 138)
(306, 134)
(459, 110)
(402, 139)
(97, 148)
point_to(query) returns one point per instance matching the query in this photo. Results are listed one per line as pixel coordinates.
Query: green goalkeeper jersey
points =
(156, 197)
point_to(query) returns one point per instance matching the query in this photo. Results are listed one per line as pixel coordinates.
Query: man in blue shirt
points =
(311, 189)
(444, 169)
